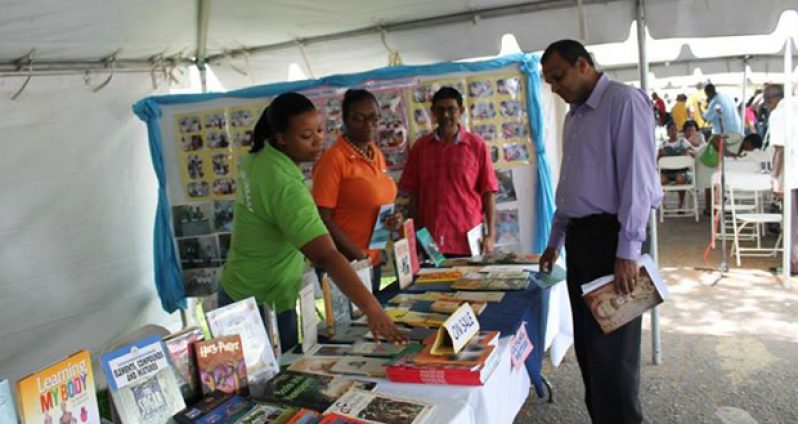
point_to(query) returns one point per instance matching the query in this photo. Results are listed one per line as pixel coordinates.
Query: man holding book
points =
(608, 186)
(450, 179)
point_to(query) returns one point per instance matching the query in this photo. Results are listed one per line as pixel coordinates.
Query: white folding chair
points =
(750, 220)
(676, 163)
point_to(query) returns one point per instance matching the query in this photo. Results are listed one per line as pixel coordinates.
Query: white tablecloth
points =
(498, 401)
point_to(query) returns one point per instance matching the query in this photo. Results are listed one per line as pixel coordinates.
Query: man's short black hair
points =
(710, 89)
(773, 91)
(447, 93)
(569, 50)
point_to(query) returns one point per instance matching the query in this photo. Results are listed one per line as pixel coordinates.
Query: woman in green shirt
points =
(276, 223)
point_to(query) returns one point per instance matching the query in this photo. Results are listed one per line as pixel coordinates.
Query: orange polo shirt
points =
(354, 189)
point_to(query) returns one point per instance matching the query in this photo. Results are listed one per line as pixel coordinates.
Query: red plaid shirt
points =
(448, 180)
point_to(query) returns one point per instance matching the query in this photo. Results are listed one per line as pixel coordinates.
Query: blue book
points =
(7, 412)
(429, 246)
(380, 234)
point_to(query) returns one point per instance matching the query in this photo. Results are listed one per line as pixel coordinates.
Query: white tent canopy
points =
(78, 192)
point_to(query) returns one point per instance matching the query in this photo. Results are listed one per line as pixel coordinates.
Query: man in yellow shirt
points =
(697, 105)
(679, 112)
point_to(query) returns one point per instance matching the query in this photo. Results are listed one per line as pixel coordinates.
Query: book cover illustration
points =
(360, 365)
(314, 365)
(612, 310)
(181, 351)
(264, 413)
(472, 355)
(380, 234)
(377, 350)
(430, 247)
(404, 270)
(311, 391)
(409, 230)
(221, 365)
(338, 419)
(142, 383)
(381, 408)
(243, 318)
(329, 350)
(442, 276)
(63, 392)
(304, 416)
(8, 414)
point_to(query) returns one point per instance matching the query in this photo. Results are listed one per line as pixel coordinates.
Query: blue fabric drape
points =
(167, 271)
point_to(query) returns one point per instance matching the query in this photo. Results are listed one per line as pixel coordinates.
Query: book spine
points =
(433, 376)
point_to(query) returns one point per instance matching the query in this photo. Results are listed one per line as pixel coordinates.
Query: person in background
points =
(722, 113)
(450, 179)
(692, 134)
(750, 115)
(350, 182)
(276, 223)
(675, 145)
(679, 111)
(696, 105)
(659, 108)
(782, 115)
(608, 187)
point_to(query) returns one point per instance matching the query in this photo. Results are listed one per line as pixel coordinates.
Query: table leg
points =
(549, 387)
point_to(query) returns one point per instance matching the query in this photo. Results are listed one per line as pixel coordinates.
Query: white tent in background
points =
(78, 189)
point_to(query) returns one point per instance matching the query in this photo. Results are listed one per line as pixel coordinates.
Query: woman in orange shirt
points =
(350, 182)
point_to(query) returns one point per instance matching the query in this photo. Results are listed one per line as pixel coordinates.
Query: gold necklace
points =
(367, 153)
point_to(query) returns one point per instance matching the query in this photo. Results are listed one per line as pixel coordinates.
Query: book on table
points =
(409, 232)
(613, 310)
(225, 408)
(360, 366)
(8, 413)
(243, 318)
(312, 391)
(404, 370)
(44, 396)
(181, 351)
(142, 383)
(381, 408)
(221, 365)
(491, 281)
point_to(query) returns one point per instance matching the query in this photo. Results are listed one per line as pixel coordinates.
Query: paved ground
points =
(730, 352)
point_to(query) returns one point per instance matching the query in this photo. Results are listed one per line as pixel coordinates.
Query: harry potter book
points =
(221, 365)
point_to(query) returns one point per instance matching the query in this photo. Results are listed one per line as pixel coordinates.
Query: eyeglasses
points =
(360, 119)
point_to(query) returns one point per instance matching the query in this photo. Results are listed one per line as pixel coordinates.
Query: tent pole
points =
(656, 353)
(203, 15)
(786, 168)
(743, 95)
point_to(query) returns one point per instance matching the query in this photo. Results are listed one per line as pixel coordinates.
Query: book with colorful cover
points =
(243, 318)
(432, 296)
(226, 411)
(221, 365)
(416, 334)
(381, 234)
(612, 310)
(376, 350)
(381, 408)
(360, 365)
(181, 351)
(443, 276)
(208, 403)
(338, 419)
(321, 365)
(404, 271)
(142, 382)
(304, 416)
(63, 391)
(492, 281)
(430, 247)
(404, 370)
(8, 413)
(409, 230)
(312, 391)
(264, 413)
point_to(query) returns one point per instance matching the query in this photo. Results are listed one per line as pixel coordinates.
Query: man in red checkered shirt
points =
(450, 179)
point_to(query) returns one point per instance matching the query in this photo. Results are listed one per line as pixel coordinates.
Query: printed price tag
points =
(456, 331)
(520, 347)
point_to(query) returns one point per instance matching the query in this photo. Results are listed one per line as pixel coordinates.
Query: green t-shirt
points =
(274, 216)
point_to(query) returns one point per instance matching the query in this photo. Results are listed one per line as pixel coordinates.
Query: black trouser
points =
(610, 364)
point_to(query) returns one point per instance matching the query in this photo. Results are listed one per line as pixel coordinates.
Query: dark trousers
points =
(610, 364)
(286, 322)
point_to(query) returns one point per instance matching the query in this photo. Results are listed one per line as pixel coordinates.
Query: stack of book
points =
(493, 281)
(472, 366)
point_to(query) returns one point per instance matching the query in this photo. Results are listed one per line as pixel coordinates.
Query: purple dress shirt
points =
(609, 164)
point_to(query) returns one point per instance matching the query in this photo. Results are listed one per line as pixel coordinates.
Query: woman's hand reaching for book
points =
(382, 326)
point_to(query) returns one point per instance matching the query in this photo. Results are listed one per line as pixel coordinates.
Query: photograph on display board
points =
(392, 130)
(509, 86)
(486, 131)
(224, 245)
(198, 189)
(480, 88)
(192, 220)
(201, 281)
(217, 140)
(198, 252)
(242, 139)
(195, 166)
(224, 187)
(214, 120)
(514, 152)
(494, 154)
(188, 124)
(191, 142)
(220, 163)
(506, 186)
(482, 110)
(514, 130)
(223, 215)
(242, 118)
(510, 108)
(508, 228)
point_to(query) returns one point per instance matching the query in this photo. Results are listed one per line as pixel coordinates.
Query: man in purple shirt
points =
(608, 186)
